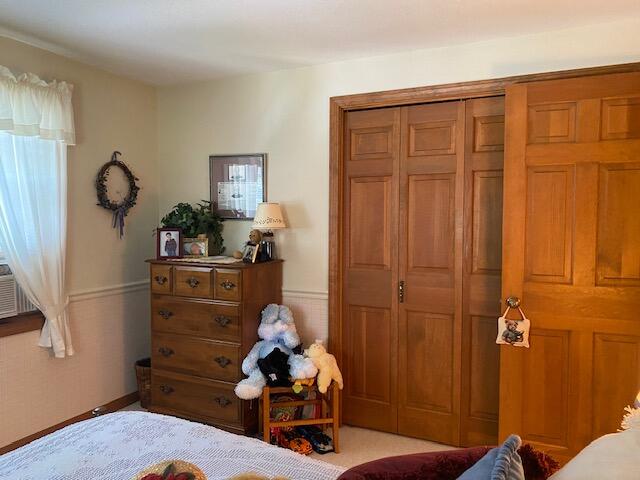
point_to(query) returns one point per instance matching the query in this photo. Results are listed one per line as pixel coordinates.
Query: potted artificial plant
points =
(199, 222)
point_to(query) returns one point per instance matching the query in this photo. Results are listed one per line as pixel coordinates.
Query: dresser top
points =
(182, 263)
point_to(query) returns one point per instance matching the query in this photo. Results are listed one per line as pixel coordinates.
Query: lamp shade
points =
(268, 217)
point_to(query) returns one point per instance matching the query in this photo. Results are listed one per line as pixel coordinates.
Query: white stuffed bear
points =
(277, 330)
(326, 364)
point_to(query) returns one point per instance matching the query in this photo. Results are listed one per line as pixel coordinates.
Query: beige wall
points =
(286, 114)
(110, 325)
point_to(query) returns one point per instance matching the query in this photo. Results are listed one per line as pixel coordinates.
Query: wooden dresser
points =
(204, 320)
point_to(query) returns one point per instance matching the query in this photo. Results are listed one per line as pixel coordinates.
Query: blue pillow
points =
(500, 463)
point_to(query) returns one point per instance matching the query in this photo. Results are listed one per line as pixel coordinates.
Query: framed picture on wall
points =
(238, 184)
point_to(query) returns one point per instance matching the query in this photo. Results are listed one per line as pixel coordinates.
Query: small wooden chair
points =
(329, 403)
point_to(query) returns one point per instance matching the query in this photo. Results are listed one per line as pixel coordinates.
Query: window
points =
(36, 125)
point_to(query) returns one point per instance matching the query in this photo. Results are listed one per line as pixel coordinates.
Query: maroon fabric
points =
(537, 465)
(446, 465)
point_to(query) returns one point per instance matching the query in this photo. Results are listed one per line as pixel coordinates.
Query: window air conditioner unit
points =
(8, 296)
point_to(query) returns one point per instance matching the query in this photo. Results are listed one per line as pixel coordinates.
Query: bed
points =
(119, 445)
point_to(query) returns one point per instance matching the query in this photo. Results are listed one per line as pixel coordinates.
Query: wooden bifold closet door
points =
(572, 255)
(422, 261)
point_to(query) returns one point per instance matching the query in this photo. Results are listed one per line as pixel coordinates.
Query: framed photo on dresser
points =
(169, 243)
(238, 184)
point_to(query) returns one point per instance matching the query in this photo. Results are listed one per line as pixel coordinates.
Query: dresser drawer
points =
(193, 282)
(195, 317)
(205, 358)
(228, 284)
(195, 396)
(161, 279)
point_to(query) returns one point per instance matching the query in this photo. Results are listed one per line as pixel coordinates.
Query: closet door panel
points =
(370, 268)
(484, 152)
(430, 230)
(571, 168)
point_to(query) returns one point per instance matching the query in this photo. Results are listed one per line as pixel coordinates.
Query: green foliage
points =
(195, 221)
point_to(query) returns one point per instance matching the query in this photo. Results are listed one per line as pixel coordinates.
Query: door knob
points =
(513, 302)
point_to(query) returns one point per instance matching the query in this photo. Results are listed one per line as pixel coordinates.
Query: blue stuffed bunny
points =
(277, 330)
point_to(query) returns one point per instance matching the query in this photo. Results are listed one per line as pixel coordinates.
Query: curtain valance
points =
(29, 106)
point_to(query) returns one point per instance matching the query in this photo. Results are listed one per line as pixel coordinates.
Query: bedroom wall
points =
(106, 276)
(286, 114)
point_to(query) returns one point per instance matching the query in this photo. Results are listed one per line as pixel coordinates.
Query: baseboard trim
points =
(110, 407)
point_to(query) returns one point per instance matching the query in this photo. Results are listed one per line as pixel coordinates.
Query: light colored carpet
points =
(360, 445)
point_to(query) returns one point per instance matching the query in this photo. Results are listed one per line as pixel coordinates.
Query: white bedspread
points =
(119, 445)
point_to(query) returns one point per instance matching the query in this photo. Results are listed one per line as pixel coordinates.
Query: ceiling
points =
(176, 41)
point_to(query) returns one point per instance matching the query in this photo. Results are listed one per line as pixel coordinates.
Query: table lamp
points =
(268, 218)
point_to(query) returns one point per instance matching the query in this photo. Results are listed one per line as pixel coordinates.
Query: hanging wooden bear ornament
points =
(513, 332)
(118, 206)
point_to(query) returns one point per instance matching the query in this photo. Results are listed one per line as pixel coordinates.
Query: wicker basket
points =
(180, 467)
(143, 375)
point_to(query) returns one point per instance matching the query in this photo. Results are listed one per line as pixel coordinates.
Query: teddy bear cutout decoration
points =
(326, 364)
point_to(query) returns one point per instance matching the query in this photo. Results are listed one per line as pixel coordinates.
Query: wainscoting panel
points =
(110, 329)
(310, 312)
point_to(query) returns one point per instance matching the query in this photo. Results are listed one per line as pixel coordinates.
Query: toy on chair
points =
(326, 364)
(277, 331)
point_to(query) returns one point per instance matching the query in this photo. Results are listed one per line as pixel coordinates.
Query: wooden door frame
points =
(339, 106)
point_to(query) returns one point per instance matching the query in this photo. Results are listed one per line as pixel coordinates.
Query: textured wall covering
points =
(310, 311)
(111, 332)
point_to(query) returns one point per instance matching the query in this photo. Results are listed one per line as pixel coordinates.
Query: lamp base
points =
(268, 247)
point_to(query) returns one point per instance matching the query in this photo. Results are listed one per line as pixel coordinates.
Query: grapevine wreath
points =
(119, 209)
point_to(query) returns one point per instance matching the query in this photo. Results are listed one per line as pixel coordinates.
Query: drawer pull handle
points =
(166, 314)
(223, 321)
(165, 351)
(193, 282)
(160, 279)
(228, 285)
(222, 401)
(166, 389)
(222, 361)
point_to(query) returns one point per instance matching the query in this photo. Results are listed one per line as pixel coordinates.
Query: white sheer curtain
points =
(36, 125)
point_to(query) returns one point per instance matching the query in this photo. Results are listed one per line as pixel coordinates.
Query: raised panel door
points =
(423, 211)
(431, 183)
(482, 267)
(370, 213)
(571, 252)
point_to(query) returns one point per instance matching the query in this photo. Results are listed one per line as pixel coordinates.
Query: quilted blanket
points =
(119, 445)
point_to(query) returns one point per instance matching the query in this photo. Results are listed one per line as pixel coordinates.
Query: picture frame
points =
(195, 247)
(250, 253)
(163, 237)
(238, 183)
